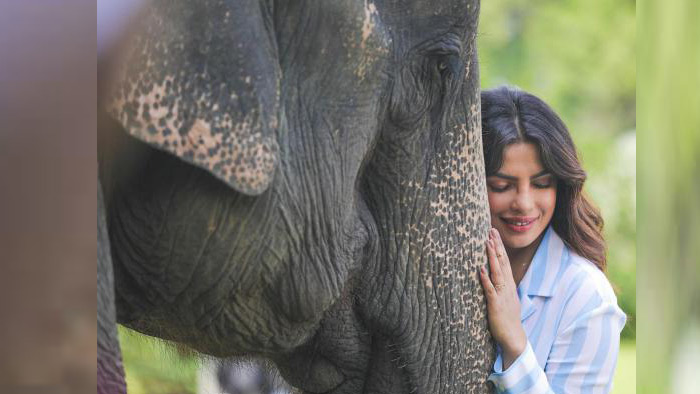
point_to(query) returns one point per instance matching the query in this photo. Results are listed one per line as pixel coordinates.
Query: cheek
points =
(548, 201)
(497, 202)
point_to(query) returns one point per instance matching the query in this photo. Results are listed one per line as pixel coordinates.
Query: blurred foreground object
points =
(113, 18)
(47, 197)
(669, 224)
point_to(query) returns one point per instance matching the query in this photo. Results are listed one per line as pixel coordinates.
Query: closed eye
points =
(543, 182)
(499, 188)
(537, 185)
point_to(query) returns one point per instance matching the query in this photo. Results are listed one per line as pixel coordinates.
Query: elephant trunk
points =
(422, 292)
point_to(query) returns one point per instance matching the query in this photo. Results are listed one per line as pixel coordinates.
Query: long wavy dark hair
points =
(510, 115)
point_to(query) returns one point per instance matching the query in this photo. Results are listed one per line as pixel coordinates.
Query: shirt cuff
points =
(524, 373)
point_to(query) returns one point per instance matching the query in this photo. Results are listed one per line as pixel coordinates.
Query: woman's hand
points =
(502, 301)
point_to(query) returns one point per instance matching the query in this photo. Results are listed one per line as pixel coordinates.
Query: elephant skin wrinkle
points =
(110, 371)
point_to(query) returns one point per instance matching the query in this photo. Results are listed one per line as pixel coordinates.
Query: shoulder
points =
(584, 291)
(586, 277)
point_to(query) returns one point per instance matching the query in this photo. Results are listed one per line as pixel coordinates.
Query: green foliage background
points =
(579, 56)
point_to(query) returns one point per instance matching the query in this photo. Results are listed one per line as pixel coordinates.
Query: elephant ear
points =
(201, 80)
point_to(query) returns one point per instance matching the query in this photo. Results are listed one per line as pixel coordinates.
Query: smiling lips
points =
(519, 224)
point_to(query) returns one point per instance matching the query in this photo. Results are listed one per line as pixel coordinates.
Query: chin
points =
(518, 244)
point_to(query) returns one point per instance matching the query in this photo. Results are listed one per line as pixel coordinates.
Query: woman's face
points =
(522, 196)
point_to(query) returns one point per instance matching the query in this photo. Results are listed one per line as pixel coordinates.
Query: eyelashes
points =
(543, 185)
(447, 65)
(499, 189)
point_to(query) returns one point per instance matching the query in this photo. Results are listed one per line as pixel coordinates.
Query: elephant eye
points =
(446, 65)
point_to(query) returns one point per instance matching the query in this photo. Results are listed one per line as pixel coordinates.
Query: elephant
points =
(303, 181)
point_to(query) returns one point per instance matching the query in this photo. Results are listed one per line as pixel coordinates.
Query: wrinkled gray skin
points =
(304, 181)
(110, 372)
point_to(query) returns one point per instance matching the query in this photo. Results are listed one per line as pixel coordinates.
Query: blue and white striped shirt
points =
(570, 315)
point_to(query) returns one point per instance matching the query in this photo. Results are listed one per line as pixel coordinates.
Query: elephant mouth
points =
(315, 374)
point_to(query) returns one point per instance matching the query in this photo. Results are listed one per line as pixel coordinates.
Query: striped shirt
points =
(570, 315)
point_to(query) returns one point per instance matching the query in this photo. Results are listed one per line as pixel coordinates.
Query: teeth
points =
(520, 223)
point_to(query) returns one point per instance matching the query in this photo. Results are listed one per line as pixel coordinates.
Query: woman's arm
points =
(582, 359)
(584, 353)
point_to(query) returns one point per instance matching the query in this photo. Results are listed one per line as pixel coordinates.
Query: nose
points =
(524, 201)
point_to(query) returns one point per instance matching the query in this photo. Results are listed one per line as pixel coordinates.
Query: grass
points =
(625, 380)
(152, 367)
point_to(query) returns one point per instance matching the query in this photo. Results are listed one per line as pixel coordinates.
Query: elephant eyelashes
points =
(440, 67)
(447, 65)
(436, 71)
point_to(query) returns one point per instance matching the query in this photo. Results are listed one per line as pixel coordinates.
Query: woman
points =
(551, 310)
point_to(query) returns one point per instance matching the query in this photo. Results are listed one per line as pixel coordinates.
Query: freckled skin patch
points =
(366, 47)
(436, 216)
(368, 23)
(175, 98)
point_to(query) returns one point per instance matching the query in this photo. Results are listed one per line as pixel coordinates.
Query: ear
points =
(201, 81)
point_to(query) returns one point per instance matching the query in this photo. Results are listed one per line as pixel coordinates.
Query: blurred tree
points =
(579, 54)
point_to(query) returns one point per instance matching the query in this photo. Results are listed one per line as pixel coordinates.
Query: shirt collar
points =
(540, 278)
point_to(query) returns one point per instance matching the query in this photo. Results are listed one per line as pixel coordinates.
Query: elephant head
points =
(304, 181)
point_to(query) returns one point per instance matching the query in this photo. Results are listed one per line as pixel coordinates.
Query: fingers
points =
(489, 290)
(500, 251)
(494, 264)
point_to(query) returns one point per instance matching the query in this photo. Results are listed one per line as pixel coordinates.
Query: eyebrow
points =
(512, 178)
